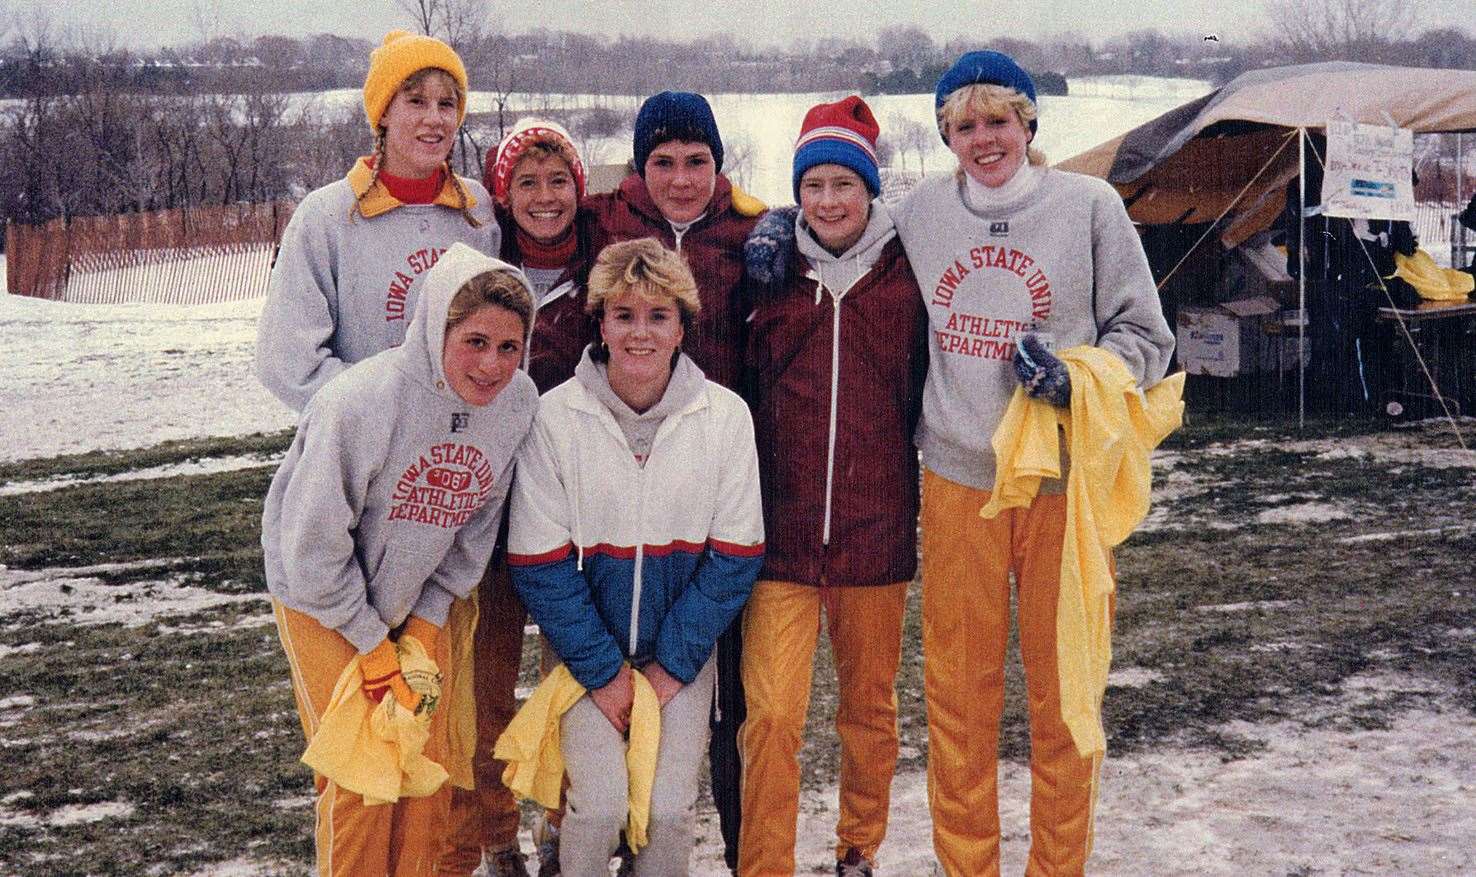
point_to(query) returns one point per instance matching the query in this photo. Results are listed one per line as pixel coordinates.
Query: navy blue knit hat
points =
(675, 115)
(842, 133)
(984, 67)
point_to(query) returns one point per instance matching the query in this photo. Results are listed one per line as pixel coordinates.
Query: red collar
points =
(554, 255)
(408, 191)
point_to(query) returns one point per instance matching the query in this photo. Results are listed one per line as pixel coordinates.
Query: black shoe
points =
(625, 858)
(853, 865)
(506, 863)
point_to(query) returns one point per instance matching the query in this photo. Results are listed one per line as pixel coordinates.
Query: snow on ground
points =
(79, 378)
(1304, 513)
(71, 814)
(79, 596)
(204, 466)
(1315, 801)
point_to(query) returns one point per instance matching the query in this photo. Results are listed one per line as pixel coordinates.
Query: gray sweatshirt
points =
(344, 287)
(388, 501)
(1063, 259)
(640, 428)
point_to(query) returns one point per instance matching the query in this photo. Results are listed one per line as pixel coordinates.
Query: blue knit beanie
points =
(984, 67)
(842, 133)
(675, 115)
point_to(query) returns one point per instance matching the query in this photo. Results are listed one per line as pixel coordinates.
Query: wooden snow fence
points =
(192, 255)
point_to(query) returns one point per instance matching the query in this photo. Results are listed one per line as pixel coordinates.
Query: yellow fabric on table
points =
(374, 749)
(1110, 429)
(461, 728)
(535, 760)
(1431, 281)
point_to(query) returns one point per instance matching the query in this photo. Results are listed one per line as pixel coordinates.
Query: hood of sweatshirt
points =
(840, 273)
(687, 381)
(425, 337)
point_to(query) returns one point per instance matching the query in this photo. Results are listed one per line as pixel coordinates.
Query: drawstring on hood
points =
(844, 270)
(639, 430)
(426, 337)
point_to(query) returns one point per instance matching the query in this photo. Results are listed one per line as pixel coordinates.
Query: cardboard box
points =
(1230, 339)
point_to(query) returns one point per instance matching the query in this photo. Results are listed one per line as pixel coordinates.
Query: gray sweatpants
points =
(598, 796)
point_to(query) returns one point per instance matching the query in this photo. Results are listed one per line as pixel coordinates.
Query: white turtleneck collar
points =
(1024, 181)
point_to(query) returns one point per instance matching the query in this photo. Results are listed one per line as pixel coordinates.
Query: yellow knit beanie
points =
(400, 55)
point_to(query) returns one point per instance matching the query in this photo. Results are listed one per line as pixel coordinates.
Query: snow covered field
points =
(91, 377)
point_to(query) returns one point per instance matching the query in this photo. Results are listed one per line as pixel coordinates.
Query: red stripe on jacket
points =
(628, 552)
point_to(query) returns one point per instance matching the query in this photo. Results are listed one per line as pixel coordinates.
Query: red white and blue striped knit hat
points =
(842, 133)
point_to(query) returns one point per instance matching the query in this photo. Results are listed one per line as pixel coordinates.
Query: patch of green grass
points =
(113, 462)
(198, 733)
(213, 520)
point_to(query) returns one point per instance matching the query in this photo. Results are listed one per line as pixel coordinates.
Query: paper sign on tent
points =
(1367, 173)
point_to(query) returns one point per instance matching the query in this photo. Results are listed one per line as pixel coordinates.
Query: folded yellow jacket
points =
(1110, 429)
(374, 749)
(535, 761)
(1431, 281)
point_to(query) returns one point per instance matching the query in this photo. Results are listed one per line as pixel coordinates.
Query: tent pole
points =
(1301, 278)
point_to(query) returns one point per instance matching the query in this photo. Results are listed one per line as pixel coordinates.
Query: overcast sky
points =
(151, 23)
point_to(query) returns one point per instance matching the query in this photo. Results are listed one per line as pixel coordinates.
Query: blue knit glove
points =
(770, 246)
(1042, 375)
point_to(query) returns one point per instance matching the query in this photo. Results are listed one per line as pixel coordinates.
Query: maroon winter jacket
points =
(561, 328)
(714, 250)
(874, 489)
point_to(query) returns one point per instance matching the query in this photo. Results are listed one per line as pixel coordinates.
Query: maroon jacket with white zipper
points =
(850, 518)
(713, 247)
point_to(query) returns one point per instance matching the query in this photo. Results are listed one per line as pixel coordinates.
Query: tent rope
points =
(1223, 213)
(1403, 326)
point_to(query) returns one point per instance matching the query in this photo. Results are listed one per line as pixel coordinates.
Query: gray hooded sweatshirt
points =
(838, 274)
(388, 501)
(639, 428)
(1061, 258)
(344, 287)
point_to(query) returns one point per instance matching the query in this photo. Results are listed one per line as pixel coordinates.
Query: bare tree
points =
(424, 14)
(205, 15)
(1340, 29)
(738, 160)
(906, 46)
(908, 134)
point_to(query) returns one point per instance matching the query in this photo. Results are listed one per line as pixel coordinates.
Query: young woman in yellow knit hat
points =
(353, 257)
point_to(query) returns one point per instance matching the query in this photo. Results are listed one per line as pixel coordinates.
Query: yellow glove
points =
(423, 630)
(418, 666)
(381, 669)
